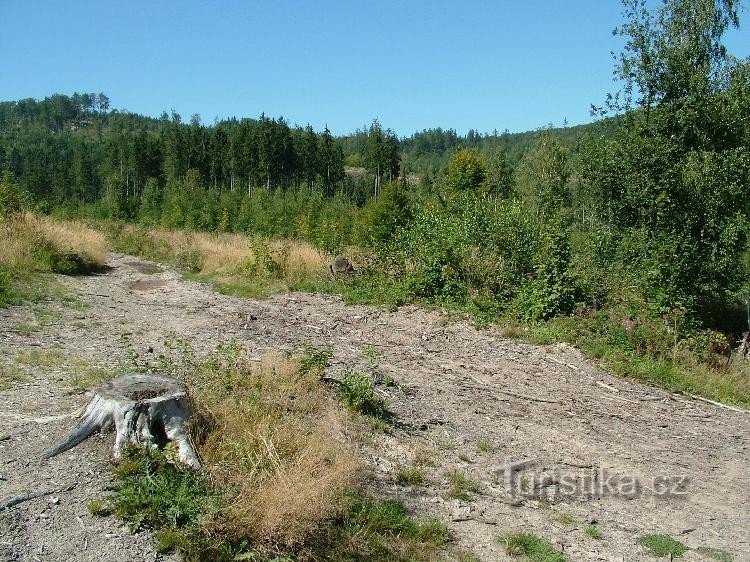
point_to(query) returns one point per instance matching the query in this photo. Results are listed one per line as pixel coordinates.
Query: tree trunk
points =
(144, 409)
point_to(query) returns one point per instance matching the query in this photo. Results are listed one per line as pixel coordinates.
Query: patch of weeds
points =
(593, 532)
(535, 548)
(389, 381)
(151, 493)
(174, 502)
(99, 508)
(358, 394)
(371, 355)
(425, 457)
(564, 518)
(410, 476)
(10, 375)
(85, 376)
(464, 457)
(314, 360)
(25, 329)
(43, 358)
(382, 531)
(663, 545)
(715, 553)
(462, 487)
(485, 446)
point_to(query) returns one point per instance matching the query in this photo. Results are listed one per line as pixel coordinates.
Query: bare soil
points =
(633, 459)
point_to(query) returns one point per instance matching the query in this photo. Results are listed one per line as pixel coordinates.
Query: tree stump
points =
(144, 409)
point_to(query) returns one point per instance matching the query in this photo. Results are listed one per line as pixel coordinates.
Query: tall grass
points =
(235, 264)
(275, 441)
(34, 244)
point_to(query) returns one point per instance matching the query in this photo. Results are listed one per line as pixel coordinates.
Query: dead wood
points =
(7, 503)
(144, 410)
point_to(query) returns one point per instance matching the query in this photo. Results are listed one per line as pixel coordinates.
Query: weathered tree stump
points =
(144, 409)
(340, 266)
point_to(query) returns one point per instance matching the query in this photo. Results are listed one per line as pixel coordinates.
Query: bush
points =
(358, 394)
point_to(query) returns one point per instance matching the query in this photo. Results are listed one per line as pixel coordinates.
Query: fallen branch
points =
(719, 404)
(7, 503)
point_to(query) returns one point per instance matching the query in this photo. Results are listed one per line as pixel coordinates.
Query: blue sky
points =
(414, 65)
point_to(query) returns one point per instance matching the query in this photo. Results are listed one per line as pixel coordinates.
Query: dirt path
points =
(465, 400)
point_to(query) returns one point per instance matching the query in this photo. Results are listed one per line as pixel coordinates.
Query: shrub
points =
(358, 394)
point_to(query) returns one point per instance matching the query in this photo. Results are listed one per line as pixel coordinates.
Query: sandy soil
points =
(587, 446)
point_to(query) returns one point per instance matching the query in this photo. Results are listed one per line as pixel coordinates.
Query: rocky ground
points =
(585, 447)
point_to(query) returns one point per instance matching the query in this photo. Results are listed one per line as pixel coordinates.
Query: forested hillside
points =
(629, 234)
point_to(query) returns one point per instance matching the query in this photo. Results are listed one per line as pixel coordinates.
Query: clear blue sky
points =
(414, 65)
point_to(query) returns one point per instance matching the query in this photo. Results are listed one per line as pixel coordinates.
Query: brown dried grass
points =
(227, 254)
(27, 232)
(275, 444)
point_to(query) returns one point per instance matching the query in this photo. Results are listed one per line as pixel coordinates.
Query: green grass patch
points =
(564, 518)
(153, 493)
(382, 531)
(593, 532)
(241, 286)
(410, 476)
(461, 486)
(82, 375)
(534, 548)
(357, 392)
(663, 545)
(43, 358)
(179, 506)
(11, 375)
(485, 446)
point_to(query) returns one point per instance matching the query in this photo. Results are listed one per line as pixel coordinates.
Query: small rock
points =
(54, 500)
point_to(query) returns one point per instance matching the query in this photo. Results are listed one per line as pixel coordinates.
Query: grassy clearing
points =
(663, 545)
(534, 548)
(265, 428)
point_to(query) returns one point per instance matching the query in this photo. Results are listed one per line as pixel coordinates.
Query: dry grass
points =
(27, 236)
(275, 443)
(223, 254)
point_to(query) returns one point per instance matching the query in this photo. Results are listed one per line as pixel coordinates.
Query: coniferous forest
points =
(639, 218)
